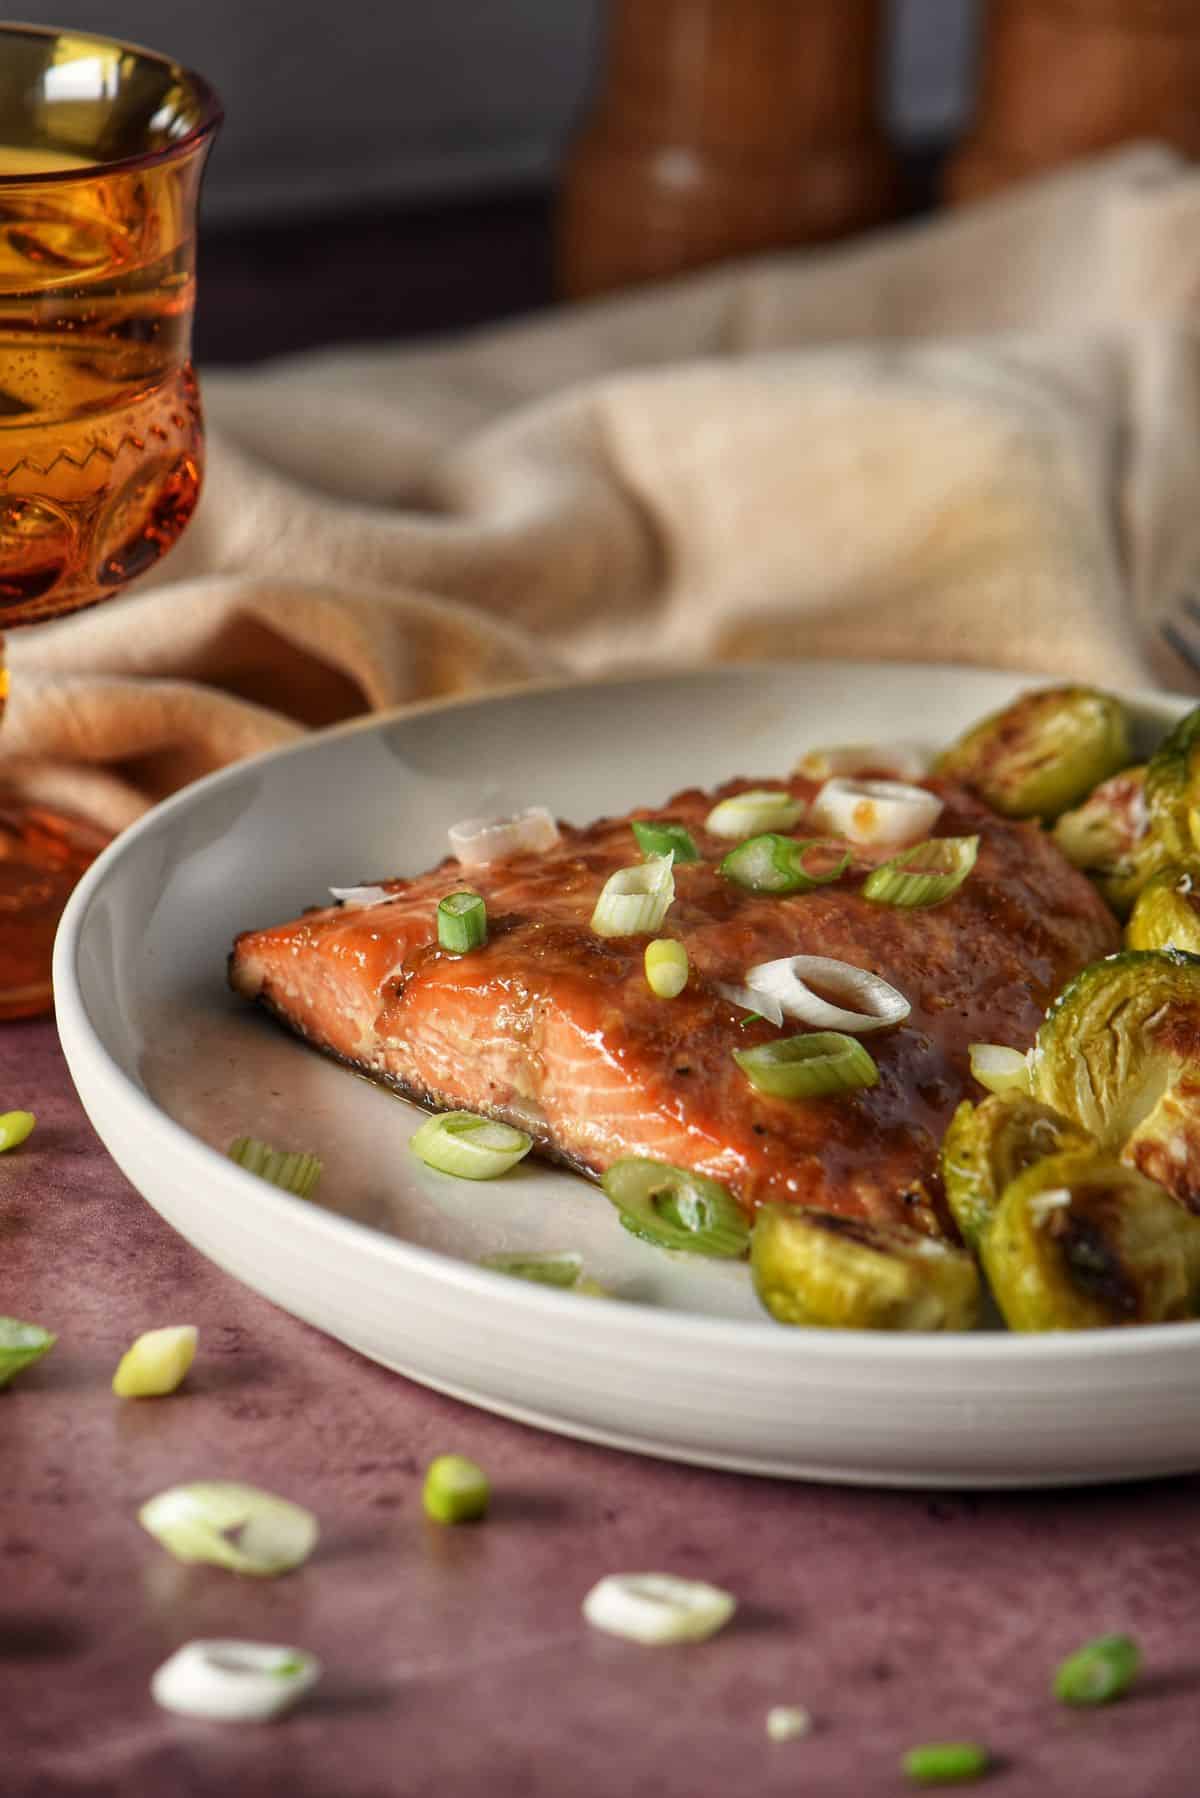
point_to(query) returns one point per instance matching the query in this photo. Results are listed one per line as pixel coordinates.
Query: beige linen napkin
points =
(976, 439)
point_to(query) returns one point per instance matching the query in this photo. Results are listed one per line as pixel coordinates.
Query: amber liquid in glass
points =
(100, 452)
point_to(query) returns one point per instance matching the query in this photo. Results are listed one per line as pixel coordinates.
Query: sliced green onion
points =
(1098, 1672)
(544, 1270)
(925, 874)
(873, 1003)
(998, 1069)
(875, 811)
(665, 838)
(775, 864)
(293, 1170)
(230, 1525)
(666, 964)
(746, 814)
(476, 1148)
(944, 1763)
(20, 1345)
(676, 1208)
(635, 900)
(655, 1608)
(456, 1490)
(808, 1067)
(787, 1722)
(461, 922)
(15, 1126)
(234, 1682)
(157, 1362)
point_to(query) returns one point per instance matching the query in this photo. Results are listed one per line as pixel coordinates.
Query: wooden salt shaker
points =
(1065, 78)
(721, 128)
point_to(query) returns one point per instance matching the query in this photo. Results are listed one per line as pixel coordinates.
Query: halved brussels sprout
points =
(987, 1145)
(1173, 789)
(1167, 913)
(1079, 1243)
(813, 1267)
(1122, 1032)
(1166, 1144)
(1042, 753)
(1108, 837)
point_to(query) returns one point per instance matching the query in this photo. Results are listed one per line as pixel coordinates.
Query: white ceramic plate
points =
(171, 1067)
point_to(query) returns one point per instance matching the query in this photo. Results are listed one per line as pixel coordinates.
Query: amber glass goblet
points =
(102, 146)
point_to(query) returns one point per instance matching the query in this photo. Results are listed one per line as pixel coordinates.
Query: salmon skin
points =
(554, 1029)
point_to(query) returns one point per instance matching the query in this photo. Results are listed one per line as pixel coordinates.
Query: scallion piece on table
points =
(234, 1682)
(562, 1270)
(945, 1763)
(1099, 1671)
(759, 809)
(230, 1525)
(456, 1490)
(777, 864)
(292, 1170)
(461, 923)
(787, 1722)
(475, 1148)
(676, 1208)
(923, 875)
(20, 1345)
(808, 1067)
(634, 901)
(663, 837)
(156, 1363)
(998, 1069)
(15, 1126)
(666, 964)
(657, 1608)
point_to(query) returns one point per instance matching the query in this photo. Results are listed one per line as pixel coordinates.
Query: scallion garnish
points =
(666, 965)
(808, 1067)
(461, 923)
(998, 1069)
(787, 1722)
(543, 1270)
(234, 1682)
(875, 811)
(656, 1608)
(945, 1763)
(664, 837)
(456, 1490)
(676, 1208)
(20, 1345)
(232, 1526)
(777, 864)
(925, 874)
(15, 1126)
(292, 1170)
(804, 987)
(635, 900)
(759, 809)
(1099, 1671)
(475, 1148)
(157, 1362)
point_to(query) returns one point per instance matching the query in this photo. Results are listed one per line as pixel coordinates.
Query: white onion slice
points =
(998, 1069)
(904, 761)
(362, 896)
(234, 1682)
(762, 1003)
(885, 812)
(657, 1607)
(876, 1004)
(478, 841)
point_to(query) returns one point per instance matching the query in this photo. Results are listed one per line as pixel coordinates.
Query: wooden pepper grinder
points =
(721, 128)
(1065, 78)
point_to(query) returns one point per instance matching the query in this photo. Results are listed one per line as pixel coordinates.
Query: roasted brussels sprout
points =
(1167, 913)
(1043, 753)
(1166, 1144)
(812, 1267)
(1122, 1032)
(1109, 838)
(1079, 1242)
(1173, 789)
(987, 1145)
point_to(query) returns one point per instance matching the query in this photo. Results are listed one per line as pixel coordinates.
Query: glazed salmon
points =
(554, 1029)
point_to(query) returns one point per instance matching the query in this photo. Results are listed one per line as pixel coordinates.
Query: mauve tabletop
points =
(456, 1658)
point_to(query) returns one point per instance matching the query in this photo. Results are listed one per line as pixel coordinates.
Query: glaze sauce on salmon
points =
(554, 1029)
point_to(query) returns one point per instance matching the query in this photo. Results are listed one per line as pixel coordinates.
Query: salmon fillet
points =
(554, 1029)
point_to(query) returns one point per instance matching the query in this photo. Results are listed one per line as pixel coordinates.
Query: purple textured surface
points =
(456, 1660)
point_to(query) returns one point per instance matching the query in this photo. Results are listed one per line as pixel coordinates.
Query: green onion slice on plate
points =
(666, 964)
(561, 1270)
(675, 1208)
(664, 837)
(458, 1142)
(808, 1067)
(461, 923)
(925, 874)
(292, 1170)
(760, 808)
(635, 900)
(777, 864)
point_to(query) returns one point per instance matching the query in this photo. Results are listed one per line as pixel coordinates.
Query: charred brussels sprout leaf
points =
(1079, 1243)
(986, 1146)
(1167, 913)
(1166, 1144)
(1109, 838)
(1043, 753)
(1173, 789)
(812, 1267)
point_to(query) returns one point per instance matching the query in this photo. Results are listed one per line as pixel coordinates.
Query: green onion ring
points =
(461, 922)
(808, 1067)
(1098, 1672)
(664, 837)
(923, 875)
(475, 1148)
(292, 1170)
(676, 1208)
(776, 864)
